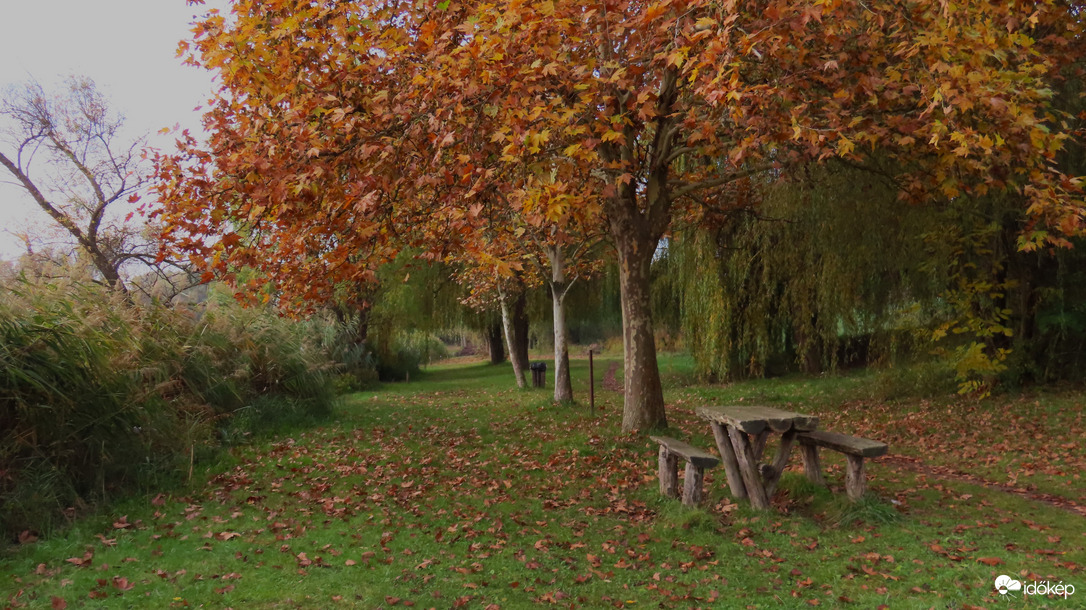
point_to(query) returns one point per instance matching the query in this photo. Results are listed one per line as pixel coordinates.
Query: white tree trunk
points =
(507, 327)
(563, 387)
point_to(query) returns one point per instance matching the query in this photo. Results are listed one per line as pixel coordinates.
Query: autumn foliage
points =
(346, 130)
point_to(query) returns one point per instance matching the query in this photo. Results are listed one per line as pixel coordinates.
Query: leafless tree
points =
(69, 153)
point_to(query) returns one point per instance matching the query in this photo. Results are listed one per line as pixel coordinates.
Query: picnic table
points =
(741, 434)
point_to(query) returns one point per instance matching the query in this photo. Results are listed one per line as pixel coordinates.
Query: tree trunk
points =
(519, 351)
(510, 339)
(494, 343)
(563, 387)
(643, 406)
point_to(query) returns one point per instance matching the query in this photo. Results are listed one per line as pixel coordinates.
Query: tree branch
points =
(720, 180)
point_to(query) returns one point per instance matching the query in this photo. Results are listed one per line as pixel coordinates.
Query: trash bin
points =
(539, 374)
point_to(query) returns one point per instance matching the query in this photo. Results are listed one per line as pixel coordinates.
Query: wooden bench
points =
(855, 450)
(696, 463)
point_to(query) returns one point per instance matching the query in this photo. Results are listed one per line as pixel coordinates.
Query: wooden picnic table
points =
(741, 434)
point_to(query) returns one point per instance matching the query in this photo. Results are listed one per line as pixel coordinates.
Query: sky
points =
(128, 47)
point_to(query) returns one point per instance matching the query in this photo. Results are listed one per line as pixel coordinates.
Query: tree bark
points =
(644, 395)
(563, 386)
(519, 350)
(494, 343)
(510, 339)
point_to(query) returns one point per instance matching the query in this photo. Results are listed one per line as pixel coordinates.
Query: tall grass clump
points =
(99, 396)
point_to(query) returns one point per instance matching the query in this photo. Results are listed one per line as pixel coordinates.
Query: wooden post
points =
(669, 473)
(731, 466)
(748, 466)
(692, 484)
(779, 462)
(811, 465)
(855, 484)
(591, 385)
(758, 444)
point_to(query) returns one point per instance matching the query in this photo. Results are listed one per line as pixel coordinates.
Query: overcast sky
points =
(128, 47)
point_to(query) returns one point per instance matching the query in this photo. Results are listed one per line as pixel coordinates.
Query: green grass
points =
(459, 490)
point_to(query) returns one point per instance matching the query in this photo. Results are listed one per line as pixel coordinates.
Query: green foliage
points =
(835, 271)
(97, 396)
(805, 282)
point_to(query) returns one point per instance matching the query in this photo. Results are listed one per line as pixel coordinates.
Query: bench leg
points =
(779, 462)
(748, 466)
(855, 483)
(692, 484)
(758, 443)
(731, 465)
(669, 473)
(811, 465)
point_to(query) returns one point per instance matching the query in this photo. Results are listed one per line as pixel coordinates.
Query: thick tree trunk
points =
(643, 407)
(494, 343)
(510, 340)
(563, 387)
(519, 350)
(639, 215)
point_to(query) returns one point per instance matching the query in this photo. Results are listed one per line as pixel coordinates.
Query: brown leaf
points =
(991, 561)
(121, 583)
(58, 603)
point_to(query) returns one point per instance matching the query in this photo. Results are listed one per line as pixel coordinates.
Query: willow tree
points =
(341, 124)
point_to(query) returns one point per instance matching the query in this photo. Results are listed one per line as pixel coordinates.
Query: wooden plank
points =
(731, 465)
(669, 473)
(690, 453)
(754, 419)
(850, 445)
(779, 462)
(692, 484)
(748, 467)
(812, 467)
(855, 479)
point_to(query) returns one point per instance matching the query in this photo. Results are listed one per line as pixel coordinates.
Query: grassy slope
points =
(456, 491)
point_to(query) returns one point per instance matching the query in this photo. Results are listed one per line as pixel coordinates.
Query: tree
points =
(341, 124)
(67, 151)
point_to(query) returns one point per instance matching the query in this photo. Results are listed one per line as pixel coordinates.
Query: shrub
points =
(98, 396)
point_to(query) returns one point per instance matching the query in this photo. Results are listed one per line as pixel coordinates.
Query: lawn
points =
(456, 490)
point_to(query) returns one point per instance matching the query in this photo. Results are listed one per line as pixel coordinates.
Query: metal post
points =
(591, 384)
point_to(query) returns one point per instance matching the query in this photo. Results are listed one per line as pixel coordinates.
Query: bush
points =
(407, 352)
(98, 396)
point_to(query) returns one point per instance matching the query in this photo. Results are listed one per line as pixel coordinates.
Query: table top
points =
(754, 419)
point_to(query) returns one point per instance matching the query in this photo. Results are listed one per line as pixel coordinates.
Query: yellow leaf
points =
(612, 135)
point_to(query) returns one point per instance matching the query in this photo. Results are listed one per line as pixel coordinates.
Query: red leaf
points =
(58, 603)
(991, 561)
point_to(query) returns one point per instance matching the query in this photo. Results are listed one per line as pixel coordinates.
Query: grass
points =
(458, 490)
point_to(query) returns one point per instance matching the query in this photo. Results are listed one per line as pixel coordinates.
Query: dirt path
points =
(610, 381)
(943, 472)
